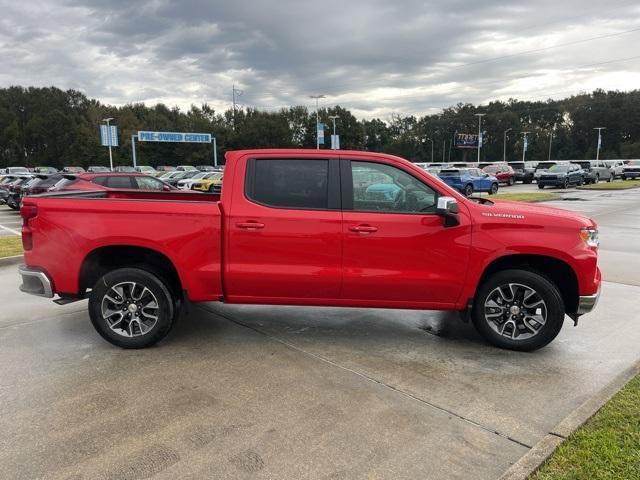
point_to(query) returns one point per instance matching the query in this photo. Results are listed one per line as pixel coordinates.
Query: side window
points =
(148, 183)
(382, 188)
(289, 183)
(100, 181)
(119, 182)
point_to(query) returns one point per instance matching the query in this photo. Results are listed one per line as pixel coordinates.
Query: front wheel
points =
(565, 184)
(511, 181)
(518, 310)
(540, 186)
(494, 189)
(131, 308)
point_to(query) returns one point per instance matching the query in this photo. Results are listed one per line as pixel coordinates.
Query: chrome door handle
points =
(363, 229)
(250, 225)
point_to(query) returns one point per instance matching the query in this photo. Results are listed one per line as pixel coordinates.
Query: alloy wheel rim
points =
(130, 309)
(515, 311)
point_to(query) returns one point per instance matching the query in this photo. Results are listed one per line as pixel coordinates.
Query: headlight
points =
(590, 236)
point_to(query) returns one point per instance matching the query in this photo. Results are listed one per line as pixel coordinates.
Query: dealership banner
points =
(466, 140)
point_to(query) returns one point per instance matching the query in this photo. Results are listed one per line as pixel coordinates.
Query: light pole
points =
(599, 140)
(504, 145)
(551, 140)
(524, 145)
(479, 115)
(317, 97)
(431, 140)
(444, 149)
(107, 120)
(333, 118)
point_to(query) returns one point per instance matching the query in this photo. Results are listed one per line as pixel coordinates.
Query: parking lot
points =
(291, 392)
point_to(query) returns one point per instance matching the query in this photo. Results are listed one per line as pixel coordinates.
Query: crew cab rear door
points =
(284, 230)
(397, 251)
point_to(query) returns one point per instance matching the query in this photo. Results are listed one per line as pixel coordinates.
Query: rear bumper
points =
(35, 282)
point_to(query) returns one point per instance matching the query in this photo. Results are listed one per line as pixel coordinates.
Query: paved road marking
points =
(15, 232)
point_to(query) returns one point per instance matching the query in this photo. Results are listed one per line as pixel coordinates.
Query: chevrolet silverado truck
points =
(309, 227)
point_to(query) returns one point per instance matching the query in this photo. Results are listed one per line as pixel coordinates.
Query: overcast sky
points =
(374, 57)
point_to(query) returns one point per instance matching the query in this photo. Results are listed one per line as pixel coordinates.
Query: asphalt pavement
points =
(291, 392)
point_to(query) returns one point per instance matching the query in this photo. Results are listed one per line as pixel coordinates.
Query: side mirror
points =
(447, 207)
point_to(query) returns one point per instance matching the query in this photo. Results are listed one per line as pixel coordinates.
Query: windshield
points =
(559, 168)
(491, 169)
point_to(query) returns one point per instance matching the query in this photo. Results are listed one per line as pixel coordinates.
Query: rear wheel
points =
(540, 186)
(494, 189)
(511, 181)
(131, 308)
(468, 190)
(518, 310)
(597, 180)
(565, 184)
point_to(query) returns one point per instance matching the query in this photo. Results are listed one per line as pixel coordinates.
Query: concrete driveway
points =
(284, 392)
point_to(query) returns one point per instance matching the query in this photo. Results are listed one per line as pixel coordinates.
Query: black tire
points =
(624, 177)
(159, 291)
(540, 186)
(565, 184)
(494, 189)
(511, 181)
(468, 190)
(210, 189)
(580, 181)
(597, 179)
(545, 290)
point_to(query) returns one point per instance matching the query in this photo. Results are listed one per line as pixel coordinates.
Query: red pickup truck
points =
(309, 227)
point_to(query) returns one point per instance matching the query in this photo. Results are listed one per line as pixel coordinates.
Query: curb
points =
(541, 451)
(14, 260)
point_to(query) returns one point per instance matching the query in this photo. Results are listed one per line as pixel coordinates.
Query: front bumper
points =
(586, 303)
(35, 282)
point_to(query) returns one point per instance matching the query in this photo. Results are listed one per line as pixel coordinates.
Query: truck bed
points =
(71, 228)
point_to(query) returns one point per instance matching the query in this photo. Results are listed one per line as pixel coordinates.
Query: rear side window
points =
(114, 182)
(289, 183)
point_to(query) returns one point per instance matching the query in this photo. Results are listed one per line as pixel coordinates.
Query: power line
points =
(544, 49)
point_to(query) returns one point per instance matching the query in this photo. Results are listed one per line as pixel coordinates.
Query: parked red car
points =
(503, 172)
(307, 227)
(111, 180)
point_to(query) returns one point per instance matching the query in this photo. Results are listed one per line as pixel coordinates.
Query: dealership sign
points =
(466, 140)
(144, 136)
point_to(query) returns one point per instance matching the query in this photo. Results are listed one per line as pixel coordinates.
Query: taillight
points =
(27, 212)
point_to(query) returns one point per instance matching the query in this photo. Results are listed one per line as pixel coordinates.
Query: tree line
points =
(53, 127)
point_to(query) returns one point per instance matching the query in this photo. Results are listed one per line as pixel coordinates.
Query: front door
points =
(284, 231)
(396, 249)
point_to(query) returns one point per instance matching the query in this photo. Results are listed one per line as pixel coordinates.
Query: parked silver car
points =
(616, 167)
(595, 170)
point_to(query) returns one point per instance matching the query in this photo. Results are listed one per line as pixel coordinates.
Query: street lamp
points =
(317, 97)
(599, 140)
(333, 118)
(524, 145)
(551, 140)
(107, 120)
(479, 115)
(504, 143)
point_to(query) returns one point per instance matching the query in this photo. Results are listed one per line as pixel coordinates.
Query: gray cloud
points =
(376, 57)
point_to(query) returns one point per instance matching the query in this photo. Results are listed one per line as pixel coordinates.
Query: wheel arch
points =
(555, 270)
(107, 258)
